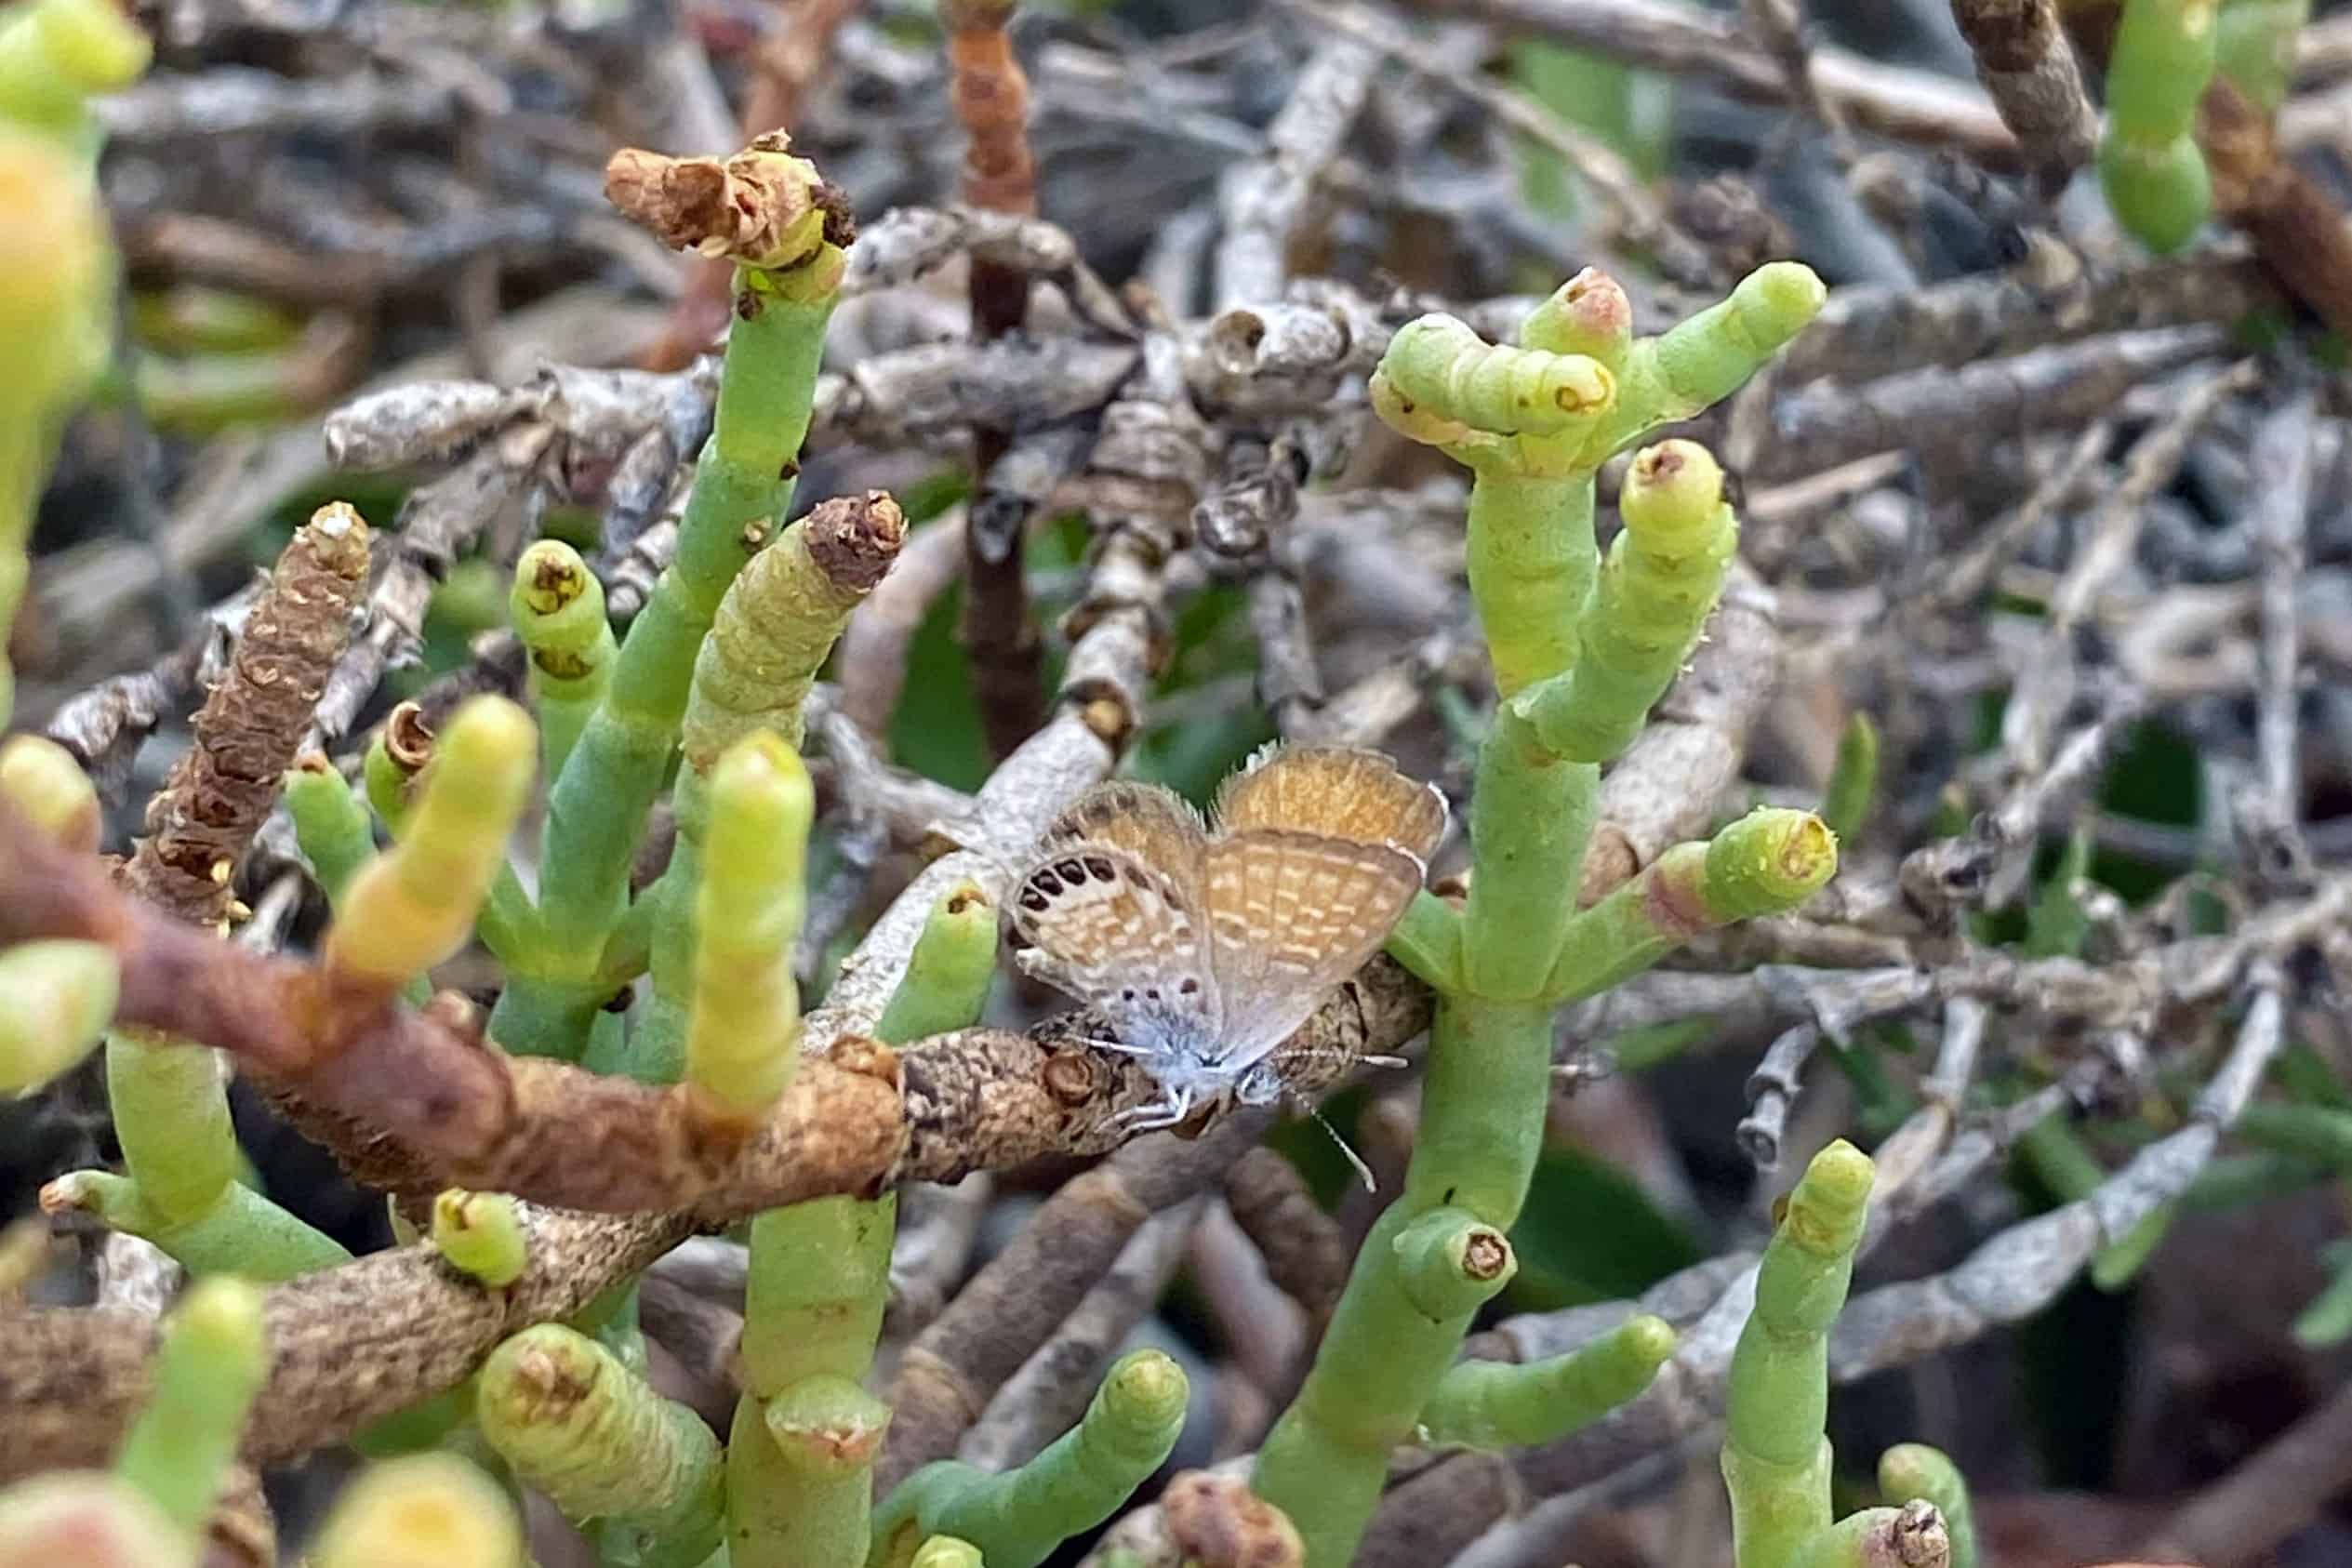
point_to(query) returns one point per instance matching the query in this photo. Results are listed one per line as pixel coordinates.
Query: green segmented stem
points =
(1439, 368)
(414, 905)
(598, 805)
(1914, 1469)
(557, 609)
(330, 826)
(482, 1234)
(949, 974)
(505, 920)
(240, 1232)
(2312, 1132)
(1530, 817)
(743, 488)
(57, 265)
(1700, 361)
(1656, 590)
(2115, 1265)
(59, 995)
(772, 633)
(192, 318)
(742, 1038)
(57, 277)
(41, 780)
(57, 55)
(800, 1464)
(211, 1363)
(1589, 315)
(387, 781)
(171, 1106)
(1382, 1358)
(1450, 1264)
(800, 1475)
(1495, 1405)
(1775, 1451)
(1520, 946)
(813, 1303)
(1768, 862)
(2149, 163)
(172, 1113)
(1429, 941)
(1532, 560)
(422, 1510)
(578, 1424)
(1081, 1479)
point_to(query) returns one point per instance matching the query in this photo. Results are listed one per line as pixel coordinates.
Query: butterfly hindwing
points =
(1289, 916)
(1123, 935)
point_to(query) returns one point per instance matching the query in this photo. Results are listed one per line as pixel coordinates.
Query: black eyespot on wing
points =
(1100, 869)
(1035, 901)
(1127, 995)
(1069, 870)
(1189, 987)
(1046, 882)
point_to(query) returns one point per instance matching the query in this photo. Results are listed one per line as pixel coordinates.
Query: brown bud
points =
(1218, 1522)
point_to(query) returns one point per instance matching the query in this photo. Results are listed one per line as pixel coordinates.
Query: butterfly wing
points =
(1336, 792)
(1289, 916)
(1124, 935)
(1144, 819)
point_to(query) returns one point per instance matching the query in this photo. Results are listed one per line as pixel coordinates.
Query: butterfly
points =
(1206, 947)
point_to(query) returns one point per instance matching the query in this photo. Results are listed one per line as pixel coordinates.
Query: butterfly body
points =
(1207, 947)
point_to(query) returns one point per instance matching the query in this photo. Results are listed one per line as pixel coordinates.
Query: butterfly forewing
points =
(1289, 916)
(1337, 792)
(1123, 934)
(1155, 824)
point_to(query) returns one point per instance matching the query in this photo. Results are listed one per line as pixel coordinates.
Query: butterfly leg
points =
(1170, 1109)
(1119, 1046)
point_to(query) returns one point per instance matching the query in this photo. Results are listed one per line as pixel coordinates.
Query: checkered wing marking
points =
(1123, 935)
(1337, 792)
(1291, 915)
(1156, 824)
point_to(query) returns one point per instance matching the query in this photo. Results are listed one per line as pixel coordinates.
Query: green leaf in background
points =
(936, 728)
(1650, 1044)
(2055, 925)
(469, 600)
(1633, 111)
(1589, 1233)
(1213, 643)
(1880, 1100)
(2307, 1075)
(2156, 775)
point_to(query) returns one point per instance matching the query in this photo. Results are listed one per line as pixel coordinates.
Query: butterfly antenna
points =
(1363, 1172)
